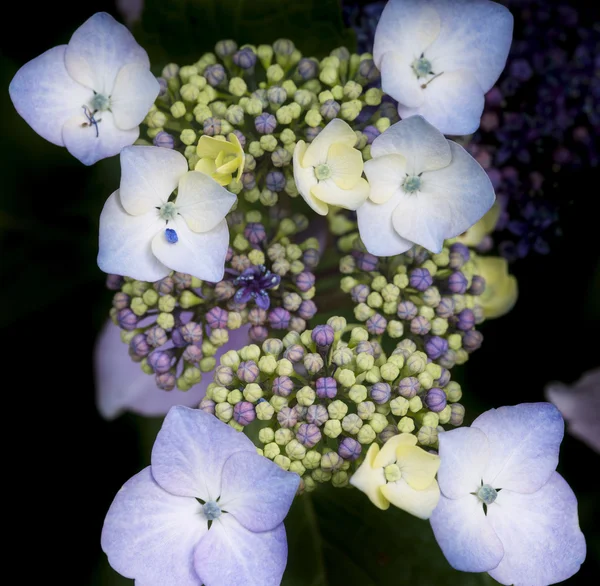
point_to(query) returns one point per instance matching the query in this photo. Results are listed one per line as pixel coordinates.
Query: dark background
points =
(63, 463)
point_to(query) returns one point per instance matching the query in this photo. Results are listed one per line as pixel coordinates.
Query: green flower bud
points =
(347, 264)
(306, 396)
(373, 376)
(325, 96)
(435, 370)
(329, 75)
(278, 402)
(453, 391)
(264, 411)
(339, 479)
(352, 423)
(235, 115)
(295, 450)
(219, 337)
(406, 425)
(345, 377)
(156, 119)
(332, 428)
(271, 450)
(265, 55)
(295, 109)
(138, 288)
(331, 461)
(445, 414)
(188, 137)
(426, 312)
(178, 110)
(352, 90)
(275, 74)
(373, 97)
(454, 341)
(231, 358)
(208, 348)
(390, 293)
(312, 460)
(350, 110)
(284, 436)
(363, 312)
(430, 419)
(252, 392)
(237, 86)
(224, 411)
(320, 475)
(282, 461)
(337, 409)
(219, 394)
(291, 338)
(287, 135)
(361, 140)
(374, 300)
(416, 363)
(347, 283)
(289, 86)
(165, 320)
(427, 436)
(234, 397)
(198, 80)
(304, 98)
(138, 306)
(395, 329)
(297, 467)
(366, 435)
(337, 323)
(459, 303)
(187, 71)
(378, 422)
(201, 113)
(364, 362)
(389, 372)
(189, 92)
(401, 281)
(192, 375)
(284, 115)
(461, 356)
(284, 367)
(313, 118)
(267, 364)
(250, 352)
(257, 257)
(383, 124)
(399, 406)
(415, 404)
(383, 409)
(365, 410)
(150, 297)
(266, 435)
(309, 483)
(425, 380)
(439, 326)
(146, 369)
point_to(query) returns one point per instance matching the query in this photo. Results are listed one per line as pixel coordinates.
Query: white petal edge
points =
(399, 80)
(350, 199)
(336, 131)
(419, 503)
(134, 93)
(305, 180)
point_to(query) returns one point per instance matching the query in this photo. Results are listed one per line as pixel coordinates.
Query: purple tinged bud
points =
(420, 325)
(420, 279)
(164, 286)
(191, 332)
(114, 282)
(279, 318)
(435, 347)
(380, 393)
(459, 255)
(466, 320)
(160, 361)
(368, 70)
(366, 261)
(182, 280)
(377, 349)
(301, 411)
(365, 346)
(308, 435)
(349, 449)
(297, 324)
(207, 405)
(359, 293)
(244, 413)
(257, 316)
(409, 387)
(317, 414)
(215, 74)
(445, 308)
(282, 386)
(275, 181)
(245, 58)
(307, 309)
(248, 180)
(255, 233)
(229, 254)
(312, 132)
(371, 132)
(326, 387)
(265, 123)
(477, 285)
(287, 417)
(164, 140)
(472, 340)
(323, 336)
(139, 346)
(165, 381)
(304, 281)
(457, 414)
(258, 333)
(311, 258)
(248, 371)
(294, 353)
(192, 354)
(448, 360)
(444, 378)
(127, 319)
(156, 336)
(212, 126)
(376, 324)
(121, 300)
(407, 310)
(330, 109)
(308, 68)
(457, 283)
(216, 318)
(435, 400)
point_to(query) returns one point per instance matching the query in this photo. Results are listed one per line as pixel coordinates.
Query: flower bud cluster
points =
(317, 400)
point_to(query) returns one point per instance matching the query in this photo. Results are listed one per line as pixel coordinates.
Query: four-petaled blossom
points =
(254, 283)
(220, 158)
(90, 95)
(208, 510)
(424, 189)
(145, 235)
(329, 170)
(503, 508)
(439, 57)
(579, 404)
(402, 474)
(501, 289)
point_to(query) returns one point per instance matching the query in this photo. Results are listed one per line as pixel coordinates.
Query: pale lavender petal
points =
(540, 533)
(524, 443)
(230, 554)
(150, 535)
(190, 451)
(90, 142)
(98, 49)
(464, 454)
(134, 92)
(46, 96)
(256, 491)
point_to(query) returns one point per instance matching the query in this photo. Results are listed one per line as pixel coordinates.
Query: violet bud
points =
(308, 435)
(466, 320)
(407, 310)
(121, 300)
(307, 309)
(420, 325)
(435, 400)
(245, 58)
(212, 126)
(376, 324)
(164, 140)
(216, 318)
(215, 74)
(258, 333)
(248, 371)
(349, 449)
(255, 233)
(177, 339)
(192, 354)
(311, 258)
(364, 346)
(435, 347)
(457, 283)
(445, 308)
(317, 414)
(458, 414)
(287, 417)
(408, 387)
(207, 406)
(420, 279)
(380, 393)
(371, 132)
(367, 262)
(304, 281)
(265, 123)
(326, 387)
(472, 340)
(244, 413)
(368, 70)
(323, 336)
(282, 386)
(275, 181)
(477, 285)
(165, 381)
(257, 316)
(114, 282)
(359, 293)
(156, 336)
(279, 318)
(459, 255)
(295, 353)
(139, 345)
(191, 332)
(308, 68)
(160, 361)
(126, 319)
(444, 378)
(164, 286)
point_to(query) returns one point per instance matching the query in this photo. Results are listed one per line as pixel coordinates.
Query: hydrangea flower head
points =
(145, 234)
(439, 57)
(424, 189)
(90, 95)
(208, 510)
(503, 507)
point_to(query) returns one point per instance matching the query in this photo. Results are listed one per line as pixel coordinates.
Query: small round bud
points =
(349, 449)
(243, 413)
(380, 393)
(435, 400)
(352, 423)
(337, 410)
(458, 414)
(317, 414)
(264, 410)
(308, 435)
(427, 436)
(399, 406)
(287, 417)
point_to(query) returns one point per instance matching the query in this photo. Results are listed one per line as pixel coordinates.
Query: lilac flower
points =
(504, 509)
(208, 510)
(254, 283)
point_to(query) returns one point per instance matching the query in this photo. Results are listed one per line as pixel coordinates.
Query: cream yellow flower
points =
(220, 158)
(501, 290)
(401, 474)
(329, 170)
(476, 233)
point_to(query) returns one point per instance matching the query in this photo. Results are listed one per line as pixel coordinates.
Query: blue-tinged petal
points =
(421, 144)
(453, 103)
(46, 96)
(376, 229)
(465, 534)
(190, 451)
(150, 535)
(398, 79)
(256, 491)
(475, 35)
(386, 174)
(230, 554)
(91, 141)
(464, 454)
(149, 175)
(125, 243)
(449, 201)
(524, 443)
(134, 92)
(98, 49)
(540, 533)
(201, 255)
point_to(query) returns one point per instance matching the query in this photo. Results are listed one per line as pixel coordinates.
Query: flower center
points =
(322, 172)
(100, 102)
(168, 211)
(211, 510)
(412, 183)
(487, 494)
(392, 473)
(422, 67)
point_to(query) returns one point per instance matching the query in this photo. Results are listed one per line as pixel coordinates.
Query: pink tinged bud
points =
(216, 318)
(127, 319)
(192, 332)
(121, 300)
(283, 386)
(165, 381)
(207, 405)
(287, 417)
(258, 333)
(317, 414)
(248, 371)
(192, 354)
(326, 388)
(349, 449)
(244, 413)
(308, 435)
(435, 400)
